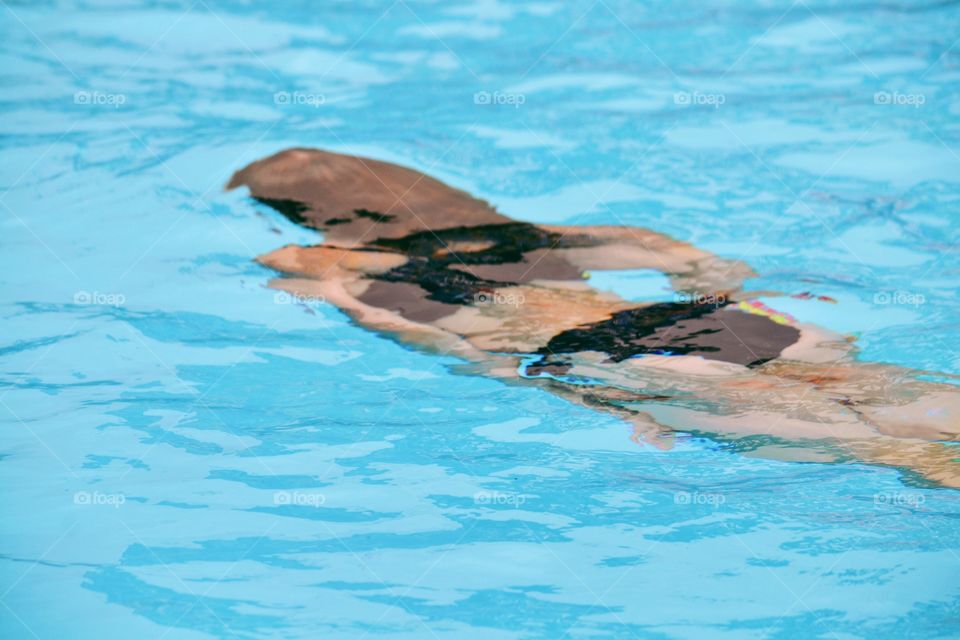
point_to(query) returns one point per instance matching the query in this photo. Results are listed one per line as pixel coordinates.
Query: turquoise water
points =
(186, 454)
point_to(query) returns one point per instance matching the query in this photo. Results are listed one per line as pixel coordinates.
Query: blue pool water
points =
(186, 454)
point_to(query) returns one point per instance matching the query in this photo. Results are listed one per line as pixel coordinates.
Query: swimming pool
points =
(190, 454)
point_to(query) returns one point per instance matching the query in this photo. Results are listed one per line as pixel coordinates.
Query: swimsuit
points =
(434, 283)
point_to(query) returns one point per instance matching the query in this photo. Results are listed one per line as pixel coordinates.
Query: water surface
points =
(189, 454)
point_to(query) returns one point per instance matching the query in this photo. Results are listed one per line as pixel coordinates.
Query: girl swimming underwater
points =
(406, 254)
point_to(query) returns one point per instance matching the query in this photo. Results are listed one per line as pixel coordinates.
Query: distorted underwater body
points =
(406, 254)
(519, 320)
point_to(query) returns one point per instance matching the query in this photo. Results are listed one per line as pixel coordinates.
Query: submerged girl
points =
(406, 254)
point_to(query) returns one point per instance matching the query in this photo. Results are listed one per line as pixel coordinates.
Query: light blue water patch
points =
(187, 455)
(638, 285)
(848, 314)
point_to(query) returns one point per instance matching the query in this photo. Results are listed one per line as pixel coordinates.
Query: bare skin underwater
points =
(405, 254)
